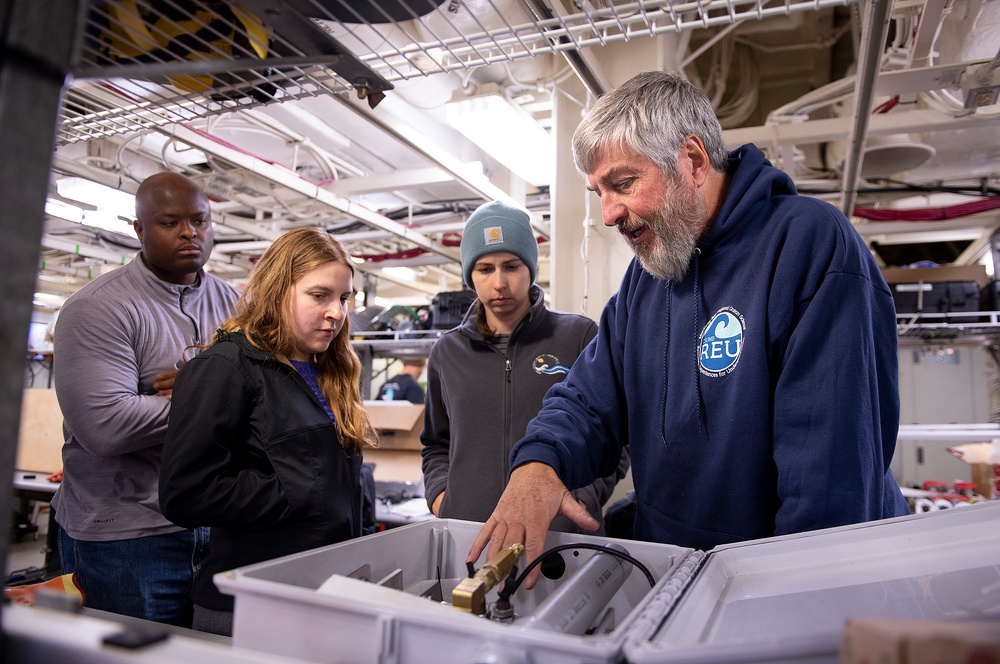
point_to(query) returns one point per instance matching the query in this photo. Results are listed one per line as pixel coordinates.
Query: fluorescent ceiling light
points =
(49, 300)
(63, 210)
(108, 205)
(404, 273)
(387, 302)
(506, 132)
(98, 196)
(93, 218)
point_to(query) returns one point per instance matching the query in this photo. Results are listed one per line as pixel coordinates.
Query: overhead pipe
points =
(869, 64)
(293, 182)
(583, 64)
(831, 129)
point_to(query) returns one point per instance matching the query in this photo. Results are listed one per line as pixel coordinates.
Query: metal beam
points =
(367, 184)
(247, 226)
(293, 182)
(108, 178)
(581, 61)
(834, 129)
(920, 79)
(85, 250)
(869, 65)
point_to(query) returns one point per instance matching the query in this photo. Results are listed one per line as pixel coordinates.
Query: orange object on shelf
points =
(26, 595)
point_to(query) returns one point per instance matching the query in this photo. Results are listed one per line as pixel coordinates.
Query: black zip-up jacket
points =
(251, 452)
(479, 401)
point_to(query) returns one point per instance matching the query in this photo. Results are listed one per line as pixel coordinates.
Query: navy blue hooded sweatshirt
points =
(759, 394)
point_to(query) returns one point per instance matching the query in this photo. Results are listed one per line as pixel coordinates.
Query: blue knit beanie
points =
(496, 227)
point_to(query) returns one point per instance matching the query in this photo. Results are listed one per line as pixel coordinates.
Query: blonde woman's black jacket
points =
(251, 452)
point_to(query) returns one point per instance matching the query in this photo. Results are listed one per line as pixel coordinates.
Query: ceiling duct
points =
(884, 155)
(887, 155)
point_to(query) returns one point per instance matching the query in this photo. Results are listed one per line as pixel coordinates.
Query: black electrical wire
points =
(903, 187)
(32, 372)
(982, 190)
(510, 588)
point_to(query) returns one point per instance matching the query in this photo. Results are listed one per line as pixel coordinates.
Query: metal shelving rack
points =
(390, 344)
(131, 74)
(395, 343)
(924, 327)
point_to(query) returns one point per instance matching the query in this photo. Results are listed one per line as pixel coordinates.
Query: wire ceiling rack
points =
(149, 63)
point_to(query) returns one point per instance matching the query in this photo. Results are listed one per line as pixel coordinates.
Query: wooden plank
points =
(40, 440)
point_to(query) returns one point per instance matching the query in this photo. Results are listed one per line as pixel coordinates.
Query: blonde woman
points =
(266, 429)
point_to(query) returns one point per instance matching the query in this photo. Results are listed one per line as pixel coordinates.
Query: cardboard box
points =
(395, 465)
(899, 275)
(986, 476)
(398, 423)
(40, 437)
(901, 641)
(980, 457)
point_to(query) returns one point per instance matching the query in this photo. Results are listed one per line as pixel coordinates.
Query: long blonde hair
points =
(262, 313)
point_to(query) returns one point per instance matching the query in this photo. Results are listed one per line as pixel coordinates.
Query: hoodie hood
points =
(753, 185)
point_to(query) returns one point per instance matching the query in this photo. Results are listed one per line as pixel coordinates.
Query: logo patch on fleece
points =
(721, 342)
(493, 235)
(549, 365)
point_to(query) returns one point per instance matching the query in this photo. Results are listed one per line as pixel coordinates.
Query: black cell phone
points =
(134, 638)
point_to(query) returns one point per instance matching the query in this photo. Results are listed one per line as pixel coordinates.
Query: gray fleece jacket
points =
(479, 402)
(112, 337)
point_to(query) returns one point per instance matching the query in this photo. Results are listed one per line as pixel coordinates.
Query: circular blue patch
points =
(721, 342)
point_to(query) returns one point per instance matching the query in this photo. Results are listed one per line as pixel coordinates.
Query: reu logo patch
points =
(721, 343)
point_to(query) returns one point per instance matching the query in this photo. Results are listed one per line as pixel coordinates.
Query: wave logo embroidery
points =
(721, 343)
(548, 365)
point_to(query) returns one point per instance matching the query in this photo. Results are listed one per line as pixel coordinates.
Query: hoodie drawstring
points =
(702, 426)
(666, 361)
(697, 332)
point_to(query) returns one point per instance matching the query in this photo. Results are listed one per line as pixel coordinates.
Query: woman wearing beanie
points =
(486, 378)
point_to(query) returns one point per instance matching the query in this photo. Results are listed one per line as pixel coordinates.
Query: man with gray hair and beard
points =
(748, 357)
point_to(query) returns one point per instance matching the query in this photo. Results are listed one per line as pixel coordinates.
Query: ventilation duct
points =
(885, 155)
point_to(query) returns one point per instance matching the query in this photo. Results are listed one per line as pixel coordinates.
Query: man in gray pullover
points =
(117, 346)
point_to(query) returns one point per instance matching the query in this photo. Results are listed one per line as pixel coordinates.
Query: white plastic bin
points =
(281, 609)
(781, 599)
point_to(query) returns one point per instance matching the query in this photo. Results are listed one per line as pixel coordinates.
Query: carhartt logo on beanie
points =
(493, 235)
(496, 227)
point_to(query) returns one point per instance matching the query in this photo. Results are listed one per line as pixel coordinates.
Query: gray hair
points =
(651, 114)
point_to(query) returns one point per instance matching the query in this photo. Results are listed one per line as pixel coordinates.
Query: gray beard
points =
(676, 227)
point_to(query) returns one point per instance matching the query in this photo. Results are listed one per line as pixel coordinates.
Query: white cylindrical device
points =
(576, 603)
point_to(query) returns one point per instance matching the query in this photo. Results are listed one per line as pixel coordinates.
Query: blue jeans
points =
(146, 577)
